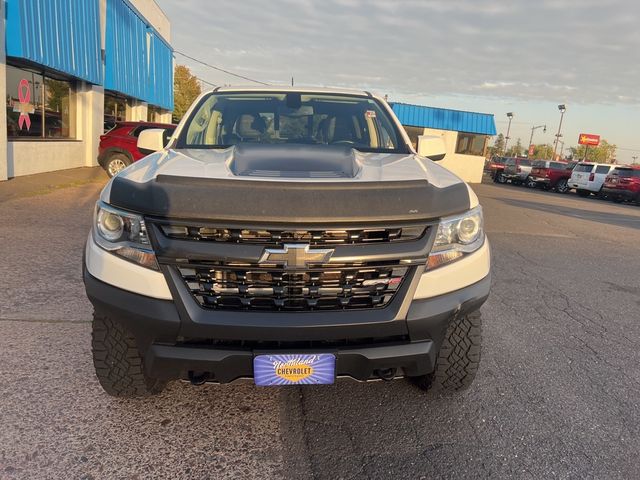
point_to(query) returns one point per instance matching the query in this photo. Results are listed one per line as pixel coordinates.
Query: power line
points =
(220, 69)
(207, 82)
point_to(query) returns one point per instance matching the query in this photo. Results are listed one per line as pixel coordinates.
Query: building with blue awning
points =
(70, 69)
(465, 135)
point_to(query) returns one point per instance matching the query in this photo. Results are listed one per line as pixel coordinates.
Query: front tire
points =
(583, 193)
(118, 363)
(531, 183)
(459, 356)
(499, 178)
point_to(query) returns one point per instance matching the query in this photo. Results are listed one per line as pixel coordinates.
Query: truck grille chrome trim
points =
(274, 237)
(254, 287)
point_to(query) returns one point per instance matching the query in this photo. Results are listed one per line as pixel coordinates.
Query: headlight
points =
(123, 234)
(457, 236)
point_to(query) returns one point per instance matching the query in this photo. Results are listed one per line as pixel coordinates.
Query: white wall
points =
(28, 157)
(468, 167)
(3, 97)
(150, 10)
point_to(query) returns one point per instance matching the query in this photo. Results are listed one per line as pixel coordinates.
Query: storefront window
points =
(115, 110)
(57, 122)
(471, 144)
(37, 106)
(153, 114)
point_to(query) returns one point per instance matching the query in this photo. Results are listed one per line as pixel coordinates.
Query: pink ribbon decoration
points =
(25, 107)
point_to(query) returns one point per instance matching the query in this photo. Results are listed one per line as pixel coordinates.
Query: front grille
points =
(323, 287)
(273, 237)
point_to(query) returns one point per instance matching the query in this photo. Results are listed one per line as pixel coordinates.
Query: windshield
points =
(226, 119)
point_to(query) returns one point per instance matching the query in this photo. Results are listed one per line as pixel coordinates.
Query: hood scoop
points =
(293, 161)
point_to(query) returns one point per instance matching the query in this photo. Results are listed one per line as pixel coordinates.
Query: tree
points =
(603, 153)
(542, 151)
(186, 89)
(515, 150)
(497, 147)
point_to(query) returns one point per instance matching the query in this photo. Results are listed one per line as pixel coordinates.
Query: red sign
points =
(589, 139)
(532, 148)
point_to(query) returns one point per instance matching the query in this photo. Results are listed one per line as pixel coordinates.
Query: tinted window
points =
(558, 165)
(470, 144)
(626, 172)
(525, 163)
(539, 164)
(225, 119)
(603, 169)
(510, 161)
(583, 167)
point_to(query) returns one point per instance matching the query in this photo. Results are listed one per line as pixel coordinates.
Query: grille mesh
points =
(250, 287)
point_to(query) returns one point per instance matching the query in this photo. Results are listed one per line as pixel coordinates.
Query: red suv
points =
(118, 147)
(551, 175)
(623, 183)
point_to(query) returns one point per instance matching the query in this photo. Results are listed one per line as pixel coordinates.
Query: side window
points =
(603, 169)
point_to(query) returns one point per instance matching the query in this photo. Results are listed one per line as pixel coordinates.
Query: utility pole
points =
(506, 139)
(562, 108)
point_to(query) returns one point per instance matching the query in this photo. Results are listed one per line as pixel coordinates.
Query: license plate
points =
(294, 369)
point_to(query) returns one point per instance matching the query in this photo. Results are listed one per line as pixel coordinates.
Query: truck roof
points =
(288, 88)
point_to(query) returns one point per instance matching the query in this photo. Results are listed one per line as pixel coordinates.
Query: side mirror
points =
(431, 147)
(151, 140)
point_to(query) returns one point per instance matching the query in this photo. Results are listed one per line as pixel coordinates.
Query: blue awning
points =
(63, 35)
(444, 119)
(138, 62)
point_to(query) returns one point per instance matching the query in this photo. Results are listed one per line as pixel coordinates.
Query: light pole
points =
(533, 129)
(562, 108)
(506, 139)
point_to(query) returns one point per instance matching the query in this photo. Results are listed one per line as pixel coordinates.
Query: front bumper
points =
(620, 193)
(515, 176)
(541, 180)
(408, 343)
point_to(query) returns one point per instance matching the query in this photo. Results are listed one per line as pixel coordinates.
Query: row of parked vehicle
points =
(615, 182)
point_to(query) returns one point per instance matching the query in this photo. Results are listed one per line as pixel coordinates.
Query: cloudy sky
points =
(525, 56)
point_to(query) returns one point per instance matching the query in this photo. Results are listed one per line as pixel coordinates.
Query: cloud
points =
(575, 51)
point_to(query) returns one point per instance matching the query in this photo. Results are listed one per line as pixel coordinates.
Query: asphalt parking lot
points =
(557, 394)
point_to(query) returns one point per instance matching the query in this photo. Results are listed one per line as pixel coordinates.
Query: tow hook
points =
(199, 379)
(386, 374)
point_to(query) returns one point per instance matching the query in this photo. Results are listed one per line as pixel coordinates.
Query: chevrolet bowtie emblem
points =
(295, 255)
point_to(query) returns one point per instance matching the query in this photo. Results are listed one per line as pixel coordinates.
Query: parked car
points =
(517, 170)
(275, 250)
(496, 167)
(588, 177)
(623, 183)
(118, 147)
(551, 175)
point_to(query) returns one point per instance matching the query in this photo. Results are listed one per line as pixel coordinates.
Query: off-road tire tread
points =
(117, 361)
(459, 356)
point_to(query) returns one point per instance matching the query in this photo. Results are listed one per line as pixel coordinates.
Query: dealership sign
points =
(589, 139)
